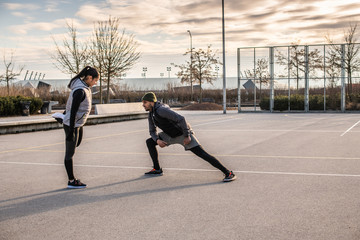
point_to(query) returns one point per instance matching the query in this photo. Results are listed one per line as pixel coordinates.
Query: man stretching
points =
(175, 131)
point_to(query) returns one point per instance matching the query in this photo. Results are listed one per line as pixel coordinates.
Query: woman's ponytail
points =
(87, 71)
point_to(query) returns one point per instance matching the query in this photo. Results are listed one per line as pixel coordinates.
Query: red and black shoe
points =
(229, 177)
(76, 183)
(155, 172)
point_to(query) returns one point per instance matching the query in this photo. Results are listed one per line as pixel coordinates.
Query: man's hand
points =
(161, 143)
(187, 140)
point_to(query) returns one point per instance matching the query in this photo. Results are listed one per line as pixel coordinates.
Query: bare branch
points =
(114, 52)
(73, 55)
(10, 73)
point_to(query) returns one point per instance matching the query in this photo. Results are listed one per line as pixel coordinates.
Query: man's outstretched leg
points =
(151, 145)
(200, 152)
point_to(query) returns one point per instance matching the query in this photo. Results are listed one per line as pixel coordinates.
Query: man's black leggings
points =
(198, 151)
(70, 150)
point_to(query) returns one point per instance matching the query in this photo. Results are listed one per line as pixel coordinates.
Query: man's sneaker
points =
(229, 177)
(76, 184)
(155, 172)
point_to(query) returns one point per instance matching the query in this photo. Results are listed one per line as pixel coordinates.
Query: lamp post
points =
(224, 71)
(144, 70)
(169, 70)
(191, 61)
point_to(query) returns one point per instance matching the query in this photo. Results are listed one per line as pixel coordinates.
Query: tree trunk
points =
(200, 91)
(200, 80)
(349, 84)
(100, 79)
(192, 90)
(260, 89)
(108, 90)
(101, 94)
(297, 79)
(8, 87)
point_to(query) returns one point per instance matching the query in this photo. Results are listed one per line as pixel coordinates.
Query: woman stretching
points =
(78, 108)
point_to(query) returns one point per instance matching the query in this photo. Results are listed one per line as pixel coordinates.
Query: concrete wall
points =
(114, 108)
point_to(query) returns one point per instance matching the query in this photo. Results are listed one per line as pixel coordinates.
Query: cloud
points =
(18, 14)
(263, 20)
(19, 6)
(42, 26)
(301, 10)
(161, 26)
(52, 6)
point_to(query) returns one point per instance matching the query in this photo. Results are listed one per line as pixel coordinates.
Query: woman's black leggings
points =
(70, 150)
(198, 151)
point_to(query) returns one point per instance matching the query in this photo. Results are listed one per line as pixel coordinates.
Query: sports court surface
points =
(298, 178)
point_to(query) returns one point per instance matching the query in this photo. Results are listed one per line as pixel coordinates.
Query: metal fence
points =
(299, 78)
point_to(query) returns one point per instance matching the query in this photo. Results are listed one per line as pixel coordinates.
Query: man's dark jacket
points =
(170, 122)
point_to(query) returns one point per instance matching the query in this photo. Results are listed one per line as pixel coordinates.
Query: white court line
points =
(196, 170)
(350, 128)
(201, 124)
(272, 130)
(216, 155)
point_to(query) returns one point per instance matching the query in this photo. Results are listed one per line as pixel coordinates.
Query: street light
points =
(169, 70)
(224, 71)
(191, 60)
(144, 70)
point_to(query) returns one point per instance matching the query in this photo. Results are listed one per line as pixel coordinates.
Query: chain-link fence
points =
(299, 78)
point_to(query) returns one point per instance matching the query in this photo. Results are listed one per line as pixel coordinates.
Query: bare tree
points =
(10, 73)
(73, 56)
(97, 60)
(296, 62)
(332, 67)
(261, 72)
(202, 67)
(352, 61)
(115, 51)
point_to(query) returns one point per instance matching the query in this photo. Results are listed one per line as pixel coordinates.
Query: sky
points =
(160, 27)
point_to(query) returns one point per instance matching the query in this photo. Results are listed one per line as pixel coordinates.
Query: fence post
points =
(324, 78)
(306, 97)
(289, 90)
(271, 60)
(343, 92)
(239, 78)
(254, 80)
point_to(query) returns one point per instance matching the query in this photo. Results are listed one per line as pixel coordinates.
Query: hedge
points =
(316, 102)
(10, 106)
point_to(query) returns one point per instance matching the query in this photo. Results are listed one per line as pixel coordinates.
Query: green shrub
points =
(10, 106)
(297, 102)
(7, 106)
(36, 104)
(281, 102)
(265, 103)
(316, 102)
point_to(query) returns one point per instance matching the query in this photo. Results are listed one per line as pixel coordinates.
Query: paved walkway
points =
(26, 118)
(298, 178)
